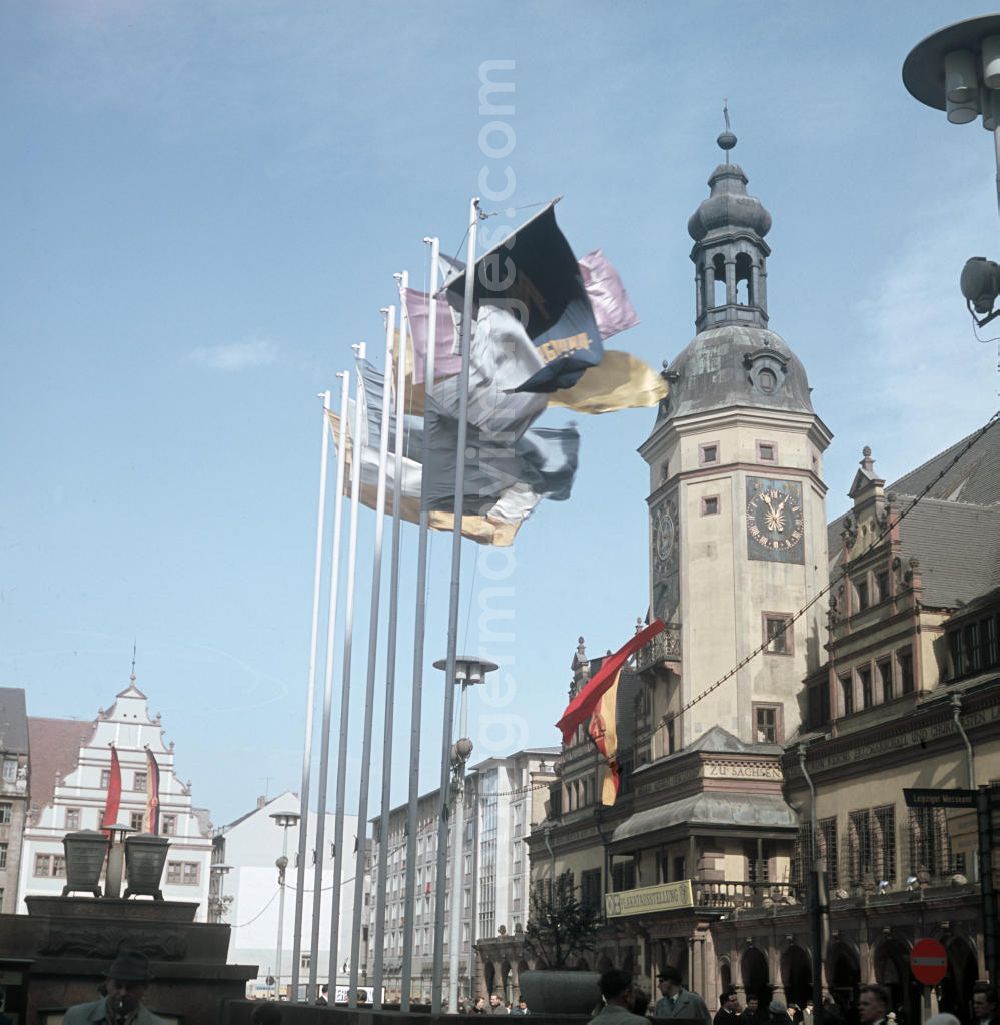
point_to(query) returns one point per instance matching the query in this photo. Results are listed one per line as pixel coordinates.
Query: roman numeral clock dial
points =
(774, 520)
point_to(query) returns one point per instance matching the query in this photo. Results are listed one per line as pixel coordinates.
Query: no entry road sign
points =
(928, 962)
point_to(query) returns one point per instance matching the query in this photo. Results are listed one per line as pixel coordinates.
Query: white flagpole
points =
(390, 655)
(366, 739)
(300, 868)
(345, 690)
(453, 600)
(416, 698)
(331, 629)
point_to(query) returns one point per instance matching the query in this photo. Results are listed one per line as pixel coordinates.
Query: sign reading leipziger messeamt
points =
(647, 899)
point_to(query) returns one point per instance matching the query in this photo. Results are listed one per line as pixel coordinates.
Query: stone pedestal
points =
(69, 942)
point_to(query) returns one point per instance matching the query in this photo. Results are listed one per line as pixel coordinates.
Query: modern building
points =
(504, 800)
(246, 894)
(13, 791)
(70, 774)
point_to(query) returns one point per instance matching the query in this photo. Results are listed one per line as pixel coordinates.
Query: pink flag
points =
(612, 309)
(446, 363)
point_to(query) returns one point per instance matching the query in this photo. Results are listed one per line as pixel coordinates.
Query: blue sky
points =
(203, 205)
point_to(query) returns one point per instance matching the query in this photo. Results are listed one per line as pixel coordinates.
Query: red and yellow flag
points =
(582, 706)
(603, 732)
(111, 802)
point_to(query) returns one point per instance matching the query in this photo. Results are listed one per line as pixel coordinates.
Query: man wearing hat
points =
(127, 978)
(678, 1002)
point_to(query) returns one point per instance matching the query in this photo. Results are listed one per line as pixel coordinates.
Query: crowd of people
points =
(622, 1003)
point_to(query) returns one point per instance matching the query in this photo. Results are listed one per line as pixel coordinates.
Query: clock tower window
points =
(767, 452)
(778, 635)
(710, 505)
(708, 453)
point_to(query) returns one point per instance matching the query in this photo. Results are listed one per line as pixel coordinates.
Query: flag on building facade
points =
(114, 796)
(534, 275)
(151, 817)
(582, 707)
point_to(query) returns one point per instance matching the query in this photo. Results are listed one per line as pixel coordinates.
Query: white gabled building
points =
(68, 786)
(246, 895)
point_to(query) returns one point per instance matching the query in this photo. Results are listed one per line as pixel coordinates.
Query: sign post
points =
(929, 964)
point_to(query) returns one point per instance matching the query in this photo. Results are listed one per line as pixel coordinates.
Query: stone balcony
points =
(664, 647)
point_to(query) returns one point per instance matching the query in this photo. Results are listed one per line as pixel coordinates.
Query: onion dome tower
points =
(737, 499)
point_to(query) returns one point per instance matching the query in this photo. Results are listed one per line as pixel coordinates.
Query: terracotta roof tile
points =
(54, 748)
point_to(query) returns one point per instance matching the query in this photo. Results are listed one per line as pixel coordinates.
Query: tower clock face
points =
(665, 534)
(775, 528)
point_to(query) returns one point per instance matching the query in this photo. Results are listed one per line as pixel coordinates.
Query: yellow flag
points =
(619, 381)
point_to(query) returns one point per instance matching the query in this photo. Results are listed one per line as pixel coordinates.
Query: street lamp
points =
(468, 672)
(219, 873)
(957, 70)
(284, 820)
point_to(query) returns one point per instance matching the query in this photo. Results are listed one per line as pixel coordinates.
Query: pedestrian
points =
(640, 1001)
(322, 1000)
(616, 988)
(873, 1004)
(522, 1007)
(497, 1006)
(777, 1013)
(809, 1013)
(128, 977)
(479, 1007)
(794, 1014)
(676, 1001)
(729, 1009)
(751, 1013)
(984, 1005)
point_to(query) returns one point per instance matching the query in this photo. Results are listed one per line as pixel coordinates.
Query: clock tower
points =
(737, 506)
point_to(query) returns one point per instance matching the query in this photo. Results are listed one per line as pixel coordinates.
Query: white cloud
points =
(254, 352)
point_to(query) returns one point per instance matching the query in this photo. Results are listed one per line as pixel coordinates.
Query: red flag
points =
(151, 818)
(583, 705)
(603, 732)
(110, 817)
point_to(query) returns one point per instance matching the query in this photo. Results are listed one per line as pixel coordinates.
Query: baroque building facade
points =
(764, 688)
(68, 786)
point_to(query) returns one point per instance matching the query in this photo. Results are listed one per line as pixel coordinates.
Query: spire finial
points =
(726, 141)
(132, 677)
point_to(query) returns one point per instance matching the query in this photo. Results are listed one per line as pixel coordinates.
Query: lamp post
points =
(286, 821)
(957, 70)
(468, 672)
(219, 873)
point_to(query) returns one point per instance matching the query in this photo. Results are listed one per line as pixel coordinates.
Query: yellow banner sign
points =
(649, 899)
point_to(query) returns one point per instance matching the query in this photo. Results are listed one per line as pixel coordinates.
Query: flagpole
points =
(390, 655)
(331, 628)
(300, 868)
(453, 599)
(416, 697)
(366, 737)
(345, 690)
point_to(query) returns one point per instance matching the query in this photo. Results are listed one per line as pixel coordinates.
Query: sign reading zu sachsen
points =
(648, 899)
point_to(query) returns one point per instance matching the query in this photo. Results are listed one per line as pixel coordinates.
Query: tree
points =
(560, 927)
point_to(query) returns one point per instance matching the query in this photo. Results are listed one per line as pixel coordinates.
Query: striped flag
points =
(582, 707)
(603, 732)
(111, 802)
(151, 818)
